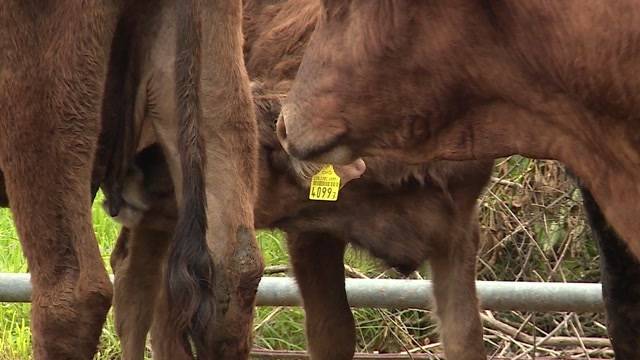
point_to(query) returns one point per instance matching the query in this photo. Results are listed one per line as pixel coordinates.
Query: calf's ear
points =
(350, 172)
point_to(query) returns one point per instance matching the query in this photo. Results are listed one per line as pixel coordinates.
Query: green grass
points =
(283, 330)
(15, 341)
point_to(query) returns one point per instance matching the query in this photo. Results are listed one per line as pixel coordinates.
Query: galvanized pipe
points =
(15, 288)
(401, 294)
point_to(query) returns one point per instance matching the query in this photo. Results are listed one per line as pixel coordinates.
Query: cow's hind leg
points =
(140, 301)
(164, 344)
(455, 295)
(51, 202)
(319, 270)
(620, 284)
(137, 264)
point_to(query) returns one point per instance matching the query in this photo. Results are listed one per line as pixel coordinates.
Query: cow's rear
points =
(214, 264)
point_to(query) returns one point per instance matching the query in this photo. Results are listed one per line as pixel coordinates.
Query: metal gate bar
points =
(401, 294)
(263, 354)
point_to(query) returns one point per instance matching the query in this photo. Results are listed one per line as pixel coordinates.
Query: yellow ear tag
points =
(325, 185)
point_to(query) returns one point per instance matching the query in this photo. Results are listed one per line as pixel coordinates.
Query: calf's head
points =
(284, 180)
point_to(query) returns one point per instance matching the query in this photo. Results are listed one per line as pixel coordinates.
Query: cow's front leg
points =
(620, 284)
(49, 194)
(318, 265)
(454, 275)
(50, 93)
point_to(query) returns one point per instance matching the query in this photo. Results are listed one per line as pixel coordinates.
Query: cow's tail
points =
(190, 276)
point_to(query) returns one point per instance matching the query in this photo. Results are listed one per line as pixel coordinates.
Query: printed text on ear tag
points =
(325, 185)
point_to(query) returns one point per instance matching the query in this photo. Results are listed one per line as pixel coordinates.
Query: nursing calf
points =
(401, 214)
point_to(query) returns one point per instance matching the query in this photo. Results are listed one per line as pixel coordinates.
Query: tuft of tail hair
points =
(190, 275)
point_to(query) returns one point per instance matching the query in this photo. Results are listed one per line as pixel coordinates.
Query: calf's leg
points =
(454, 275)
(141, 251)
(318, 266)
(164, 345)
(137, 265)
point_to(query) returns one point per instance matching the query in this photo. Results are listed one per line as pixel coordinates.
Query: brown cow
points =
(423, 80)
(55, 61)
(470, 79)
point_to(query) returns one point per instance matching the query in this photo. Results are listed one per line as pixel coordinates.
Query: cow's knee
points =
(249, 263)
(237, 279)
(243, 271)
(74, 304)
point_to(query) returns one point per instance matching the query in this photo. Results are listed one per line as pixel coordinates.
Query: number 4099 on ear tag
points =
(325, 185)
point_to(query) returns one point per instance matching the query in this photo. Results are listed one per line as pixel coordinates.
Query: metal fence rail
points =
(401, 294)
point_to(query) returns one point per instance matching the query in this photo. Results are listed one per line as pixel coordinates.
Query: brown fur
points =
(402, 214)
(467, 80)
(52, 68)
(58, 58)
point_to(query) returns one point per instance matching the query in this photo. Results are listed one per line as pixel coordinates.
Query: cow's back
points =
(588, 49)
